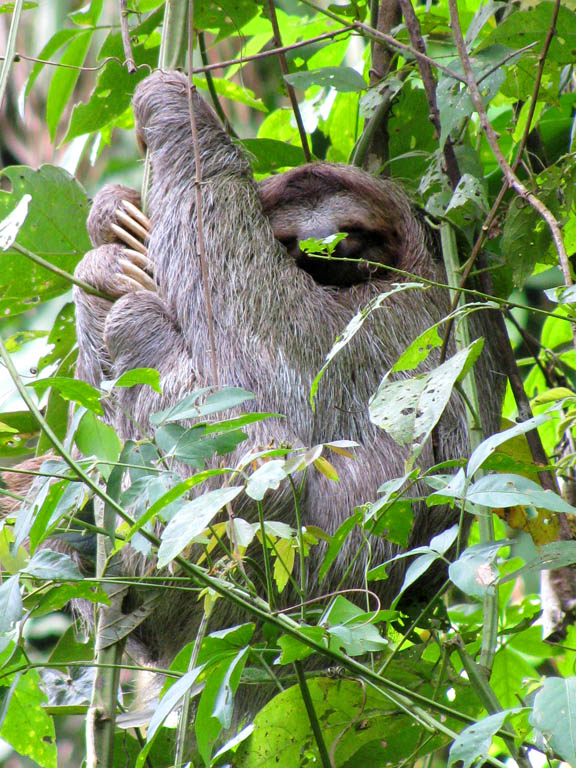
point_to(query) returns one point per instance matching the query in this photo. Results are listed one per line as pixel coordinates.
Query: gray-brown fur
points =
(273, 324)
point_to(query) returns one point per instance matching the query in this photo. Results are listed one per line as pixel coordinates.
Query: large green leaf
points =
(555, 716)
(54, 230)
(27, 727)
(113, 92)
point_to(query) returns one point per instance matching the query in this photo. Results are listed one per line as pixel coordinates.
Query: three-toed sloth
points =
(276, 313)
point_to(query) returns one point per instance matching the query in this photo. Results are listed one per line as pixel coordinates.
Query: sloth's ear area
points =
(141, 143)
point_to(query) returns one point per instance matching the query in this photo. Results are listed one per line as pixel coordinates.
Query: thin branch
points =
(289, 88)
(50, 63)
(126, 43)
(373, 34)
(312, 716)
(537, 83)
(511, 178)
(372, 151)
(240, 60)
(429, 81)
(198, 191)
(211, 88)
(61, 272)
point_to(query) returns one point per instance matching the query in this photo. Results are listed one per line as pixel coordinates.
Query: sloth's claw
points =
(137, 215)
(139, 259)
(127, 237)
(130, 284)
(130, 223)
(135, 277)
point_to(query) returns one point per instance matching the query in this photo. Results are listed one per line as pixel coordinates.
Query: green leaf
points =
(269, 155)
(360, 726)
(10, 603)
(71, 389)
(26, 726)
(192, 520)
(63, 354)
(22, 440)
(409, 409)
(94, 438)
(48, 565)
(57, 41)
(554, 716)
(9, 7)
(230, 90)
(532, 25)
(88, 15)
(186, 686)
(556, 554)
(428, 555)
(343, 79)
(336, 543)
(395, 522)
(65, 78)
(488, 446)
(12, 224)
(227, 16)
(148, 376)
(350, 628)
(526, 240)
(112, 94)
(18, 340)
(266, 478)
(474, 572)
(504, 490)
(188, 408)
(57, 233)
(216, 704)
(469, 202)
(474, 741)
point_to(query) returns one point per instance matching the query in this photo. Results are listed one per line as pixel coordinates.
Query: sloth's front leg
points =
(117, 266)
(116, 218)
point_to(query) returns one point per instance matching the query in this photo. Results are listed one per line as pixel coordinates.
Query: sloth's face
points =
(321, 200)
(363, 248)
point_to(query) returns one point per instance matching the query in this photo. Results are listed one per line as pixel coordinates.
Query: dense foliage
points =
(467, 678)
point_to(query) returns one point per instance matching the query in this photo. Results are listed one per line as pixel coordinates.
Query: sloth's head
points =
(321, 199)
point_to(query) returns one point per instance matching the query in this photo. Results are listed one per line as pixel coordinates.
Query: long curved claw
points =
(132, 224)
(131, 285)
(136, 277)
(137, 215)
(128, 238)
(140, 260)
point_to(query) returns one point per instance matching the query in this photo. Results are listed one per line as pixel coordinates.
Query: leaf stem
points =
(312, 716)
(10, 48)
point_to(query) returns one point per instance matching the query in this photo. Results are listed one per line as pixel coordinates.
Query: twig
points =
(126, 43)
(511, 178)
(211, 89)
(50, 63)
(372, 150)
(198, 191)
(388, 15)
(429, 81)
(566, 582)
(481, 239)
(241, 60)
(312, 716)
(289, 88)
(60, 272)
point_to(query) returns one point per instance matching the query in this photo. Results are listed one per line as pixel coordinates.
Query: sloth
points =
(276, 311)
